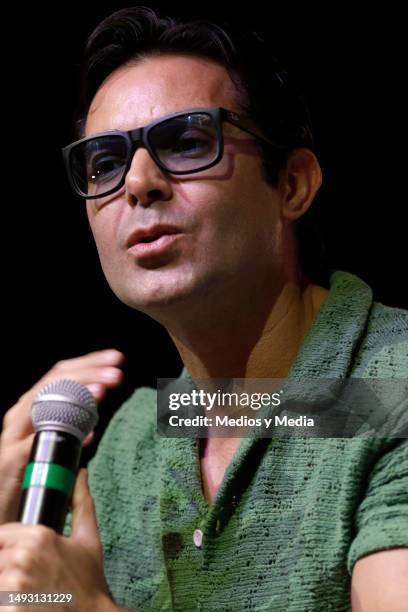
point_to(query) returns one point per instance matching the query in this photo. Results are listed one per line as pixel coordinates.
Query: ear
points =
(299, 182)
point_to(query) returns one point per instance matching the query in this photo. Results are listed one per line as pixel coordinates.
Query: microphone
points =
(63, 413)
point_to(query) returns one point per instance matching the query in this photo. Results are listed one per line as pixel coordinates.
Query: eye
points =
(103, 167)
(192, 142)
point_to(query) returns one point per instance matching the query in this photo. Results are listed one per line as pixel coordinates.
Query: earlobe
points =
(300, 182)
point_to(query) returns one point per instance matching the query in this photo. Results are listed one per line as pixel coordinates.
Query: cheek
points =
(233, 217)
(245, 211)
(104, 229)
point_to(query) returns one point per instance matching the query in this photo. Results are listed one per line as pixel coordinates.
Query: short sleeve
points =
(381, 520)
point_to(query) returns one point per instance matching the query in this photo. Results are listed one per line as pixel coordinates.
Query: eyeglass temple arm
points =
(248, 126)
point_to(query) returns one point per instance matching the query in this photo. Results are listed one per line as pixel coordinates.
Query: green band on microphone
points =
(50, 476)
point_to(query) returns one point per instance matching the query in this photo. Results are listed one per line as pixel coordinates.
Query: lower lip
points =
(155, 247)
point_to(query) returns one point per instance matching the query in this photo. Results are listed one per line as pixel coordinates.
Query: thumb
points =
(84, 524)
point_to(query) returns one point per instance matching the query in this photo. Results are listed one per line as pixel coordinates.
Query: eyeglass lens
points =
(181, 144)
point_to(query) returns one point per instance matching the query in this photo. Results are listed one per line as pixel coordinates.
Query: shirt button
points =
(198, 537)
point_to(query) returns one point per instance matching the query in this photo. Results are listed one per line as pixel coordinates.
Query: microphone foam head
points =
(65, 405)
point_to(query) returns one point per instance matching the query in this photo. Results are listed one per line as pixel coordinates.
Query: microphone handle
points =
(49, 479)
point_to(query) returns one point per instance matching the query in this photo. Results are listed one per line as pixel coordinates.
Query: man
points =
(196, 223)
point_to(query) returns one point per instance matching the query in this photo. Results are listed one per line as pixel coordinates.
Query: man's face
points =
(228, 218)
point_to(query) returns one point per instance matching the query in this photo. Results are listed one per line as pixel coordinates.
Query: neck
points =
(259, 338)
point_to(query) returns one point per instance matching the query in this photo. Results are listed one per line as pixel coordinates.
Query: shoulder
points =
(383, 347)
(387, 324)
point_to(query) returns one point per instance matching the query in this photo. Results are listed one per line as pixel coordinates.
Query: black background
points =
(56, 303)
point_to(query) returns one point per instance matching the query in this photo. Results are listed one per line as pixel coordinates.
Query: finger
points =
(13, 533)
(4, 559)
(17, 455)
(105, 375)
(97, 379)
(88, 439)
(18, 422)
(79, 366)
(85, 364)
(84, 523)
(97, 358)
(97, 390)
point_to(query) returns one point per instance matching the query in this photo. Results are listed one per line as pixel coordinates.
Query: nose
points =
(145, 182)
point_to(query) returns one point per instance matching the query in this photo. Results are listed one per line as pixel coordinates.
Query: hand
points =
(35, 559)
(17, 436)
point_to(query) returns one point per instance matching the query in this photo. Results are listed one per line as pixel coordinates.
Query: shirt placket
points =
(190, 526)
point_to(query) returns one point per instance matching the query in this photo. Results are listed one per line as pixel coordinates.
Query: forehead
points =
(135, 95)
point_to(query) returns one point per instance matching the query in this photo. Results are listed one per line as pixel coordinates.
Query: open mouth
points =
(155, 244)
(153, 240)
(154, 237)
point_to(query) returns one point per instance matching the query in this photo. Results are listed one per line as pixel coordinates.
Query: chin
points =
(155, 299)
(154, 293)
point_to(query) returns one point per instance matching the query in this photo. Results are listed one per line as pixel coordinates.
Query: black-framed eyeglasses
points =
(182, 143)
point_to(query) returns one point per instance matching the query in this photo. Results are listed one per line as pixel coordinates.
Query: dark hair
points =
(264, 90)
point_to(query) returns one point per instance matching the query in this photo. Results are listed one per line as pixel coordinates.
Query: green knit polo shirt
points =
(292, 515)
